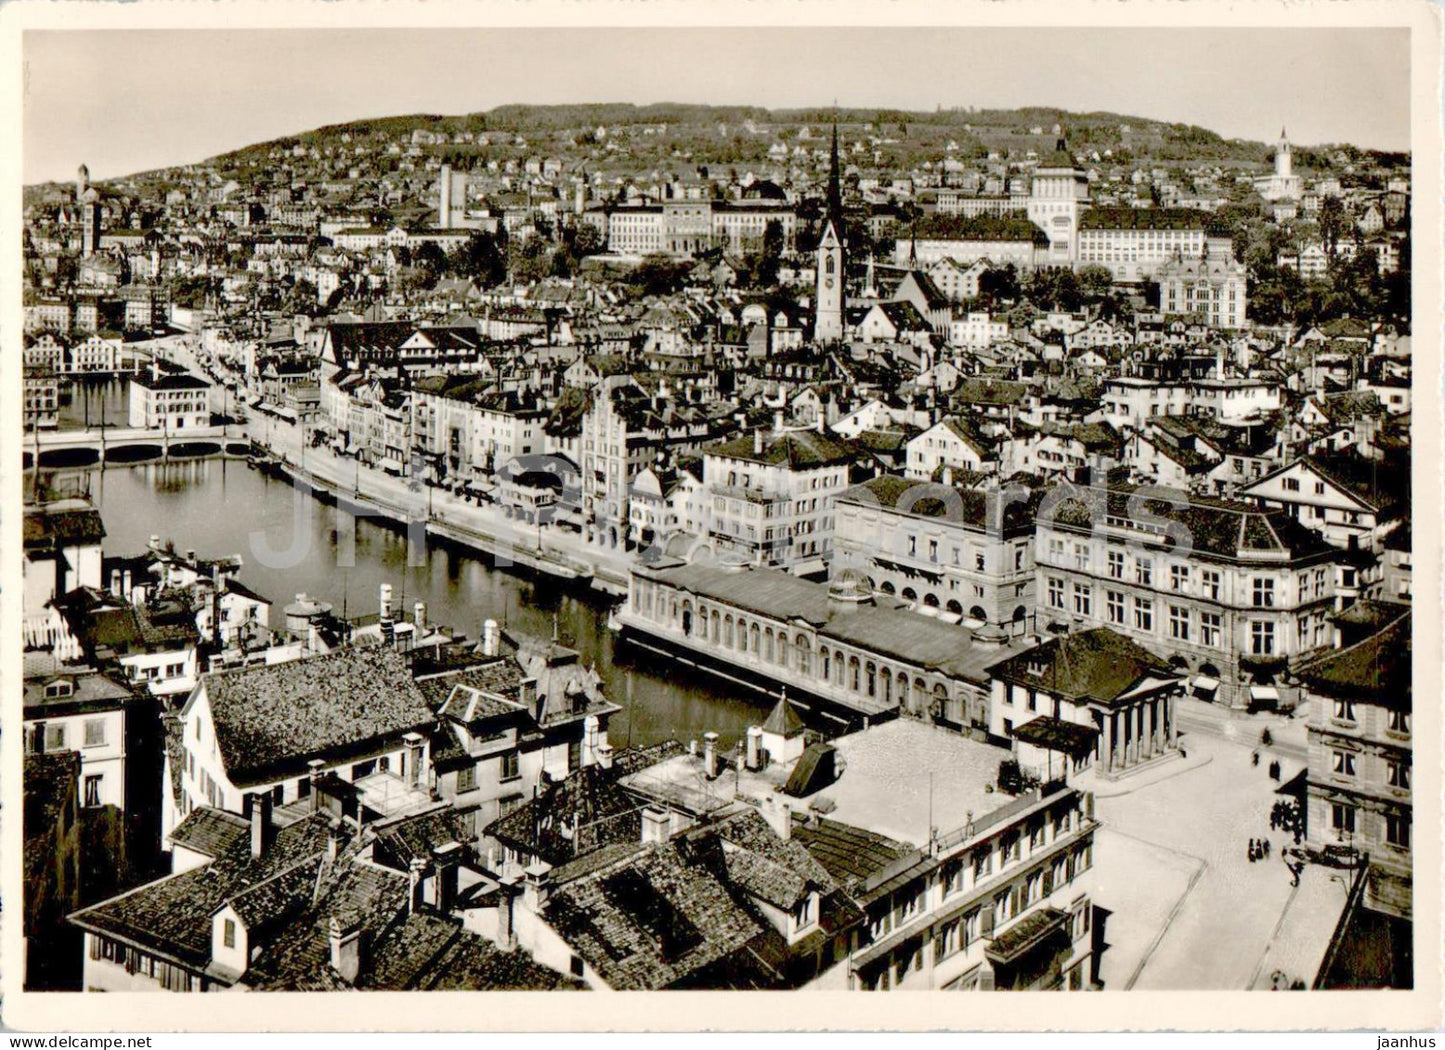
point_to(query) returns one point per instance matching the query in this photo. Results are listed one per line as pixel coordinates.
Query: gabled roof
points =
(270, 721)
(1096, 665)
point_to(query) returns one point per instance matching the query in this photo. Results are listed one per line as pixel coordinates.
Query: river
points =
(220, 507)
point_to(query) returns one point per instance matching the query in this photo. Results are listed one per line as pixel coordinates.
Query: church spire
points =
(835, 187)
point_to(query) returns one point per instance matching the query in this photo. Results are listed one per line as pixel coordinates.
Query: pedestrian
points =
(1274, 770)
(1265, 738)
(1254, 758)
(1266, 849)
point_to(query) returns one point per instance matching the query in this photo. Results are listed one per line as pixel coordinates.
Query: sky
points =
(124, 101)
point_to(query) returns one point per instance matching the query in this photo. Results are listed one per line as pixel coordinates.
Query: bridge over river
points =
(97, 445)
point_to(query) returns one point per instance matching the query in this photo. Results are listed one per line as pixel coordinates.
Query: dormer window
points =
(59, 689)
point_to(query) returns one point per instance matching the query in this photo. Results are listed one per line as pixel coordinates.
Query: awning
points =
(1263, 692)
(1205, 684)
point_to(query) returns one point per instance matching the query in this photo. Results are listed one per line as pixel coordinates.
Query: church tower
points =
(1283, 163)
(831, 260)
(82, 183)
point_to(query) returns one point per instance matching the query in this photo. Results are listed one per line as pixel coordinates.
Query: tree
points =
(763, 264)
(1334, 224)
(481, 259)
(1095, 282)
(431, 261)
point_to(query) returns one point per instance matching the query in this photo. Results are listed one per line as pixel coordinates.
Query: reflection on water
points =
(290, 542)
(93, 400)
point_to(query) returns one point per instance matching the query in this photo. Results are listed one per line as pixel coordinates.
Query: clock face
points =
(828, 283)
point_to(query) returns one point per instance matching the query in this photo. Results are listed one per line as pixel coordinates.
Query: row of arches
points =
(827, 664)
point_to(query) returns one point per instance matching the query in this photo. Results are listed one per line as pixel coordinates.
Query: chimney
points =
(115, 587)
(384, 594)
(604, 755)
(709, 755)
(491, 638)
(755, 748)
(448, 860)
(778, 812)
(656, 825)
(260, 814)
(506, 931)
(125, 585)
(822, 421)
(415, 884)
(313, 772)
(333, 845)
(537, 890)
(345, 949)
(190, 556)
(758, 442)
(419, 618)
(778, 420)
(313, 639)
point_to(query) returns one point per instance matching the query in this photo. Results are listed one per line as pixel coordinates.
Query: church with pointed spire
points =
(830, 297)
(1283, 184)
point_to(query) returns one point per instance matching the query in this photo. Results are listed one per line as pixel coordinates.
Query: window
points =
(1143, 614)
(945, 940)
(95, 732)
(978, 562)
(1114, 602)
(1263, 592)
(1179, 623)
(511, 766)
(1397, 774)
(1397, 721)
(1144, 571)
(1083, 599)
(1056, 593)
(228, 933)
(1081, 556)
(467, 777)
(1116, 565)
(1019, 556)
(92, 790)
(1261, 634)
(1397, 829)
(1210, 628)
(982, 865)
(1003, 907)
(1342, 763)
(576, 966)
(1209, 579)
(1179, 577)
(1342, 818)
(969, 927)
(54, 738)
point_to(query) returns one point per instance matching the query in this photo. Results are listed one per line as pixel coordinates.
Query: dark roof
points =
(1225, 529)
(172, 916)
(815, 770)
(91, 691)
(1098, 664)
(852, 855)
(63, 526)
(50, 782)
(1057, 735)
(271, 720)
(956, 503)
(213, 832)
(797, 449)
(581, 813)
(650, 919)
(784, 720)
(1376, 670)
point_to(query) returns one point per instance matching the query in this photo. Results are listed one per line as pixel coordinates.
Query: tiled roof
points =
(651, 920)
(850, 854)
(213, 832)
(270, 720)
(1376, 670)
(580, 813)
(1098, 664)
(795, 449)
(957, 503)
(172, 916)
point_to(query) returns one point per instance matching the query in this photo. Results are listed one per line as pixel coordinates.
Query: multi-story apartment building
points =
(689, 227)
(79, 709)
(97, 352)
(1353, 502)
(465, 425)
(623, 430)
(772, 497)
(169, 401)
(1231, 593)
(42, 398)
(965, 552)
(1360, 760)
